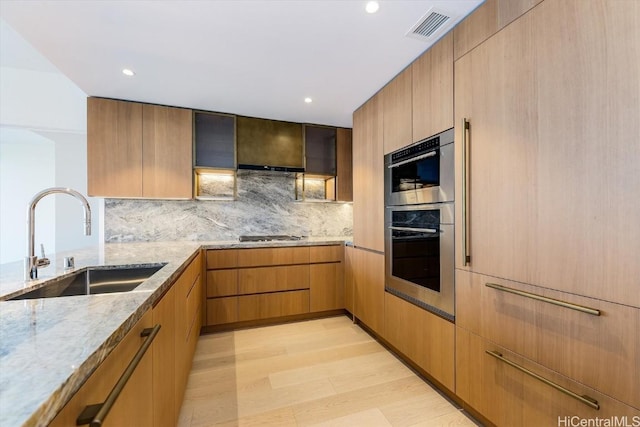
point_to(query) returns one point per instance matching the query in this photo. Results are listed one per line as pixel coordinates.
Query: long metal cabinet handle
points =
(553, 301)
(465, 192)
(589, 401)
(95, 414)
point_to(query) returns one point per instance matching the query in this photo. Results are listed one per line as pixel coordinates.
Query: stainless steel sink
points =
(94, 280)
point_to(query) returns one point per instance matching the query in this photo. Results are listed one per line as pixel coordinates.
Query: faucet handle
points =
(43, 261)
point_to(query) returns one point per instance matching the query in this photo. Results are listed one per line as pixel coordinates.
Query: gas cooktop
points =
(269, 238)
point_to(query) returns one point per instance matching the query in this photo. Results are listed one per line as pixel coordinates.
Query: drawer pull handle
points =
(589, 401)
(95, 414)
(553, 301)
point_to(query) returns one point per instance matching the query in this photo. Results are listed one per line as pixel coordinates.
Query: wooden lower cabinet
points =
(423, 337)
(348, 278)
(600, 351)
(262, 283)
(368, 283)
(165, 407)
(272, 279)
(326, 286)
(134, 406)
(276, 304)
(188, 301)
(222, 310)
(507, 396)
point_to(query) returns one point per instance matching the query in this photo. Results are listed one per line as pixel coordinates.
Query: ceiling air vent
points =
(431, 23)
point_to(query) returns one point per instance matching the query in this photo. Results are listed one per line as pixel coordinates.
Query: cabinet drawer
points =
(222, 283)
(601, 351)
(507, 396)
(326, 253)
(264, 306)
(273, 256)
(222, 258)
(222, 310)
(272, 279)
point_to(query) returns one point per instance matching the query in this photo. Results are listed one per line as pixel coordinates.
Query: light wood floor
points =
(325, 372)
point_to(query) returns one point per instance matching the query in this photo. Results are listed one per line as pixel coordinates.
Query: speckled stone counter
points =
(48, 347)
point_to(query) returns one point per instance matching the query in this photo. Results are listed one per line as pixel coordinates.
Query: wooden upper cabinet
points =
(397, 112)
(167, 152)
(554, 171)
(138, 150)
(501, 154)
(368, 176)
(489, 18)
(114, 148)
(432, 88)
(344, 165)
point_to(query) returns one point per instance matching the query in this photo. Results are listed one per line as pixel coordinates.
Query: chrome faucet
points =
(32, 262)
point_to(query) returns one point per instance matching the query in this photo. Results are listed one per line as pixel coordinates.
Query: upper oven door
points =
(427, 177)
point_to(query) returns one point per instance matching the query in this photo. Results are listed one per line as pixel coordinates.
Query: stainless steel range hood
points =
(269, 145)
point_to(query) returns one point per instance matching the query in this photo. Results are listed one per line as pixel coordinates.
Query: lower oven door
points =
(419, 256)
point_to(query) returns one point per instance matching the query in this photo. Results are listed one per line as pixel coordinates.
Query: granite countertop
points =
(48, 347)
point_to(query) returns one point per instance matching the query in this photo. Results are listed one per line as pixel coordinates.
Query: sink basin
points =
(94, 280)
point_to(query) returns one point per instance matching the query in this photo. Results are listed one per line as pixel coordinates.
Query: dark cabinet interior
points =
(320, 150)
(215, 140)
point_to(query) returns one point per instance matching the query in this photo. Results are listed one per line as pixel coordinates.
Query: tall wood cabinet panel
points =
(589, 148)
(114, 148)
(506, 396)
(486, 20)
(423, 337)
(344, 165)
(502, 153)
(397, 115)
(550, 166)
(134, 405)
(167, 152)
(368, 281)
(368, 176)
(432, 89)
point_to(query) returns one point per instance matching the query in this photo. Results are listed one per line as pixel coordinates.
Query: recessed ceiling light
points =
(372, 7)
(128, 72)
(308, 100)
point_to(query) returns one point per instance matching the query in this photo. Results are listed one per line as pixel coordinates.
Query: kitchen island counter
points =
(49, 347)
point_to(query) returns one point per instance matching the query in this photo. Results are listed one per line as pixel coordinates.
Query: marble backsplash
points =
(265, 205)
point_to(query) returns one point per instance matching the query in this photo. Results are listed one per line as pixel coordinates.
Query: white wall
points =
(41, 100)
(27, 165)
(71, 171)
(43, 126)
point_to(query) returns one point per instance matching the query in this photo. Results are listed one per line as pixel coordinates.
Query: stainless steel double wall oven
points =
(419, 214)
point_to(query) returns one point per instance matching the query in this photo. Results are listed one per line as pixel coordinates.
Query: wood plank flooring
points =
(325, 372)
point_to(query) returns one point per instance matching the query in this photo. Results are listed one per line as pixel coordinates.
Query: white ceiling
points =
(251, 57)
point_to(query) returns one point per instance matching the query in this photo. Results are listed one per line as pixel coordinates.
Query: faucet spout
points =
(32, 262)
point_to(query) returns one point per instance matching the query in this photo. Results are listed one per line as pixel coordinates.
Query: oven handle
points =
(413, 159)
(421, 230)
